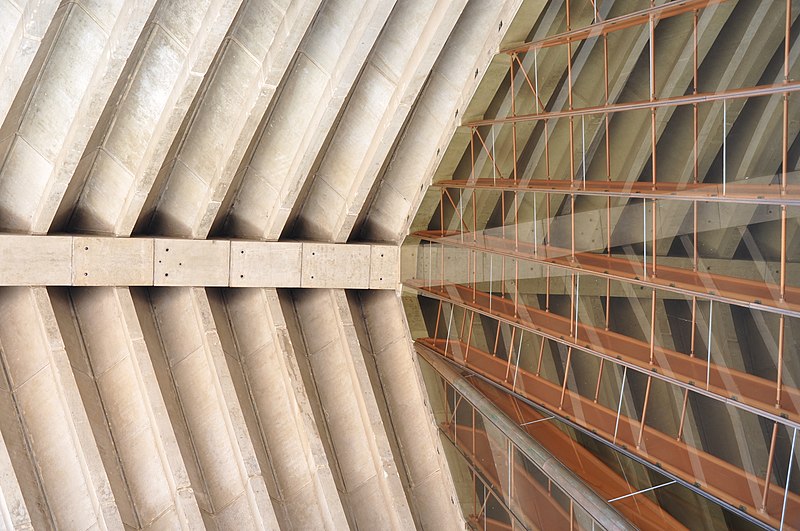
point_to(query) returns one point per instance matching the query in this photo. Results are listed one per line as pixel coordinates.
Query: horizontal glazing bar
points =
(600, 480)
(754, 395)
(636, 472)
(603, 27)
(710, 286)
(719, 478)
(676, 101)
(762, 194)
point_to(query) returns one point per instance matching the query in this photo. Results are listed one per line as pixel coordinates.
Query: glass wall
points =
(617, 240)
(507, 488)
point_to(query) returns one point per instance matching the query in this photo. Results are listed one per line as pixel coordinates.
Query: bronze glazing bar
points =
(694, 91)
(694, 326)
(541, 353)
(770, 458)
(469, 335)
(711, 286)
(683, 414)
(513, 126)
(510, 351)
(537, 101)
(721, 479)
(751, 393)
(762, 194)
(781, 351)
(666, 10)
(652, 96)
(599, 379)
(438, 315)
(738, 93)
(463, 323)
(488, 151)
(652, 326)
(459, 211)
(472, 155)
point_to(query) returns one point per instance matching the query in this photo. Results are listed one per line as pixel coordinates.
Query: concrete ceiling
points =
(128, 400)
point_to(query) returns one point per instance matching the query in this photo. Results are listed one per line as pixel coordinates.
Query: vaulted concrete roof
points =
(143, 138)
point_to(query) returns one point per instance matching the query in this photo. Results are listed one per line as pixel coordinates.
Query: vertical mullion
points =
(683, 414)
(514, 124)
(599, 378)
(438, 315)
(541, 354)
(644, 412)
(781, 350)
(510, 353)
(770, 458)
(566, 377)
(619, 405)
(652, 325)
(469, 336)
(788, 477)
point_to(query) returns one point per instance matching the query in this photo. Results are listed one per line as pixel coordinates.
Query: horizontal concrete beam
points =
(105, 261)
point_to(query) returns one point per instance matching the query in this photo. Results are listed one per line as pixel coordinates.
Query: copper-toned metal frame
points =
(776, 403)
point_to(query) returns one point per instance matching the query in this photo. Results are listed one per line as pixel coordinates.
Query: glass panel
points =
(735, 241)
(680, 263)
(789, 475)
(743, 341)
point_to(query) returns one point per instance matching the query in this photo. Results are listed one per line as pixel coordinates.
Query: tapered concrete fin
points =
(112, 366)
(68, 487)
(58, 105)
(239, 87)
(142, 119)
(288, 142)
(197, 386)
(347, 412)
(22, 28)
(386, 89)
(391, 362)
(13, 511)
(277, 408)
